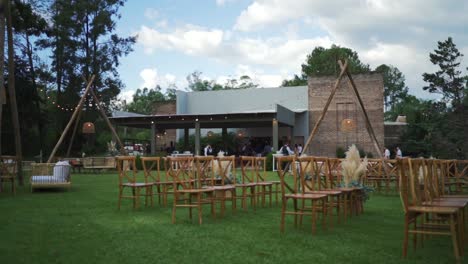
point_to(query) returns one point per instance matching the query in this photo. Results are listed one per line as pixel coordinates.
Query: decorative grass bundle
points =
(353, 168)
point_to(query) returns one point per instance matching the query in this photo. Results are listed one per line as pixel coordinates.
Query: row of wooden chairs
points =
(196, 181)
(428, 210)
(316, 180)
(383, 174)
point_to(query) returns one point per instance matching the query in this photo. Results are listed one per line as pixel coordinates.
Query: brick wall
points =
(330, 134)
(165, 108)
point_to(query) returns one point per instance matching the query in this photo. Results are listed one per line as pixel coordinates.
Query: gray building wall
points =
(243, 100)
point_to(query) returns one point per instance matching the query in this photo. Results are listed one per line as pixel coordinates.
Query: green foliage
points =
(448, 80)
(324, 62)
(296, 81)
(197, 83)
(144, 100)
(395, 89)
(340, 153)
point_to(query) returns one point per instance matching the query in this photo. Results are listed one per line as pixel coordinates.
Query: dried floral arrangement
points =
(353, 170)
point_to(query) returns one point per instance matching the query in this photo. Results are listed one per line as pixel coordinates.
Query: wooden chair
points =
(188, 193)
(374, 175)
(264, 188)
(126, 168)
(205, 168)
(415, 211)
(313, 168)
(8, 171)
(152, 170)
(290, 190)
(248, 184)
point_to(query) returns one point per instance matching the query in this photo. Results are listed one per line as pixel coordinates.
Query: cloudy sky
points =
(269, 39)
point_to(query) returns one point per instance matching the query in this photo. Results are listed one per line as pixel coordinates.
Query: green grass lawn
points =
(84, 226)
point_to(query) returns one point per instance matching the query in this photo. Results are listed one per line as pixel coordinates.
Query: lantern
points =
(348, 125)
(88, 128)
(240, 133)
(209, 134)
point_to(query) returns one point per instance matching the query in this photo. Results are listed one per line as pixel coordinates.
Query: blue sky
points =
(269, 39)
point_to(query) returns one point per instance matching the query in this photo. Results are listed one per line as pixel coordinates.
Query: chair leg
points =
(234, 200)
(405, 239)
(200, 208)
(453, 230)
(120, 196)
(283, 214)
(174, 211)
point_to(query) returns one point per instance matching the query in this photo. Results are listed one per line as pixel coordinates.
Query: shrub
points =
(340, 153)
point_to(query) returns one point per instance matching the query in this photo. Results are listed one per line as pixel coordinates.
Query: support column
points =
(197, 138)
(224, 134)
(186, 138)
(292, 141)
(274, 142)
(153, 139)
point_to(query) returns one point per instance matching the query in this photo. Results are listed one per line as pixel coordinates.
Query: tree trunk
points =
(35, 89)
(12, 93)
(2, 65)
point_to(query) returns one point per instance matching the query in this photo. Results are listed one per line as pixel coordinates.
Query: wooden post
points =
(77, 122)
(111, 127)
(75, 113)
(369, 128)
(12, 94)
(325, 109)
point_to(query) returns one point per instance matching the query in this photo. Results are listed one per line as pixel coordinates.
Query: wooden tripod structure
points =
(370, 130)
(77, 113)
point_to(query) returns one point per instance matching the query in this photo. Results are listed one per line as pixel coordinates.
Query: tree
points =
(395, 89)
(196, 83)
(144, 100)
(296, 81)
(324, 62)
(447, 81)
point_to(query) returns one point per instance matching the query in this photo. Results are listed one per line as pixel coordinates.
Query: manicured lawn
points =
(84, 226)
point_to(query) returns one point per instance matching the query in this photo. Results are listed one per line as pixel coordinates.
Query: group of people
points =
(286, 150)
(398, 153)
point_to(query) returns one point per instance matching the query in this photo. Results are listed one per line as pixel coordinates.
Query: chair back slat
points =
(334, 165)
(204, 169)
(226, 169)
(126, 167)
(151, 168)
(260, 169)
(180, 169)
(307, 173)
(287, 186)
(403, 173)
(248, 169)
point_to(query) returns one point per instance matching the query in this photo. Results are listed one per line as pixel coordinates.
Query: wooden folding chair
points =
(187, 189)
(205, 167)
(8, 171)
(312, 169)
(152, 170)
(374, 174)
(248, 184)
(416, 212)
(264, 188)
(126, 167)
(290, 190)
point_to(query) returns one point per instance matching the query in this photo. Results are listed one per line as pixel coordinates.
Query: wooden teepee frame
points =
(77, 113)
(370, 130)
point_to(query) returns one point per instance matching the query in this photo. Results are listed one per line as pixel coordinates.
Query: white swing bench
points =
(50, 175)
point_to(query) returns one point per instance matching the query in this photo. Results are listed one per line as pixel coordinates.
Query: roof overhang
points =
(175, 121)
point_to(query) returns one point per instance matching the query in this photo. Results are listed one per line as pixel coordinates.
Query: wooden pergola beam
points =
(325, 109)
(75, 113)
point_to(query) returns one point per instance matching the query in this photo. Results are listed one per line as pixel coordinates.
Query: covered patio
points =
(280, 117)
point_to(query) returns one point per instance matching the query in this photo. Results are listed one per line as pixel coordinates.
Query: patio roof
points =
(174, 121)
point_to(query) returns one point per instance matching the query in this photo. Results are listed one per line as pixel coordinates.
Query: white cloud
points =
(191, 40)
(151, 13)
(151, 78)
(223, 2)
